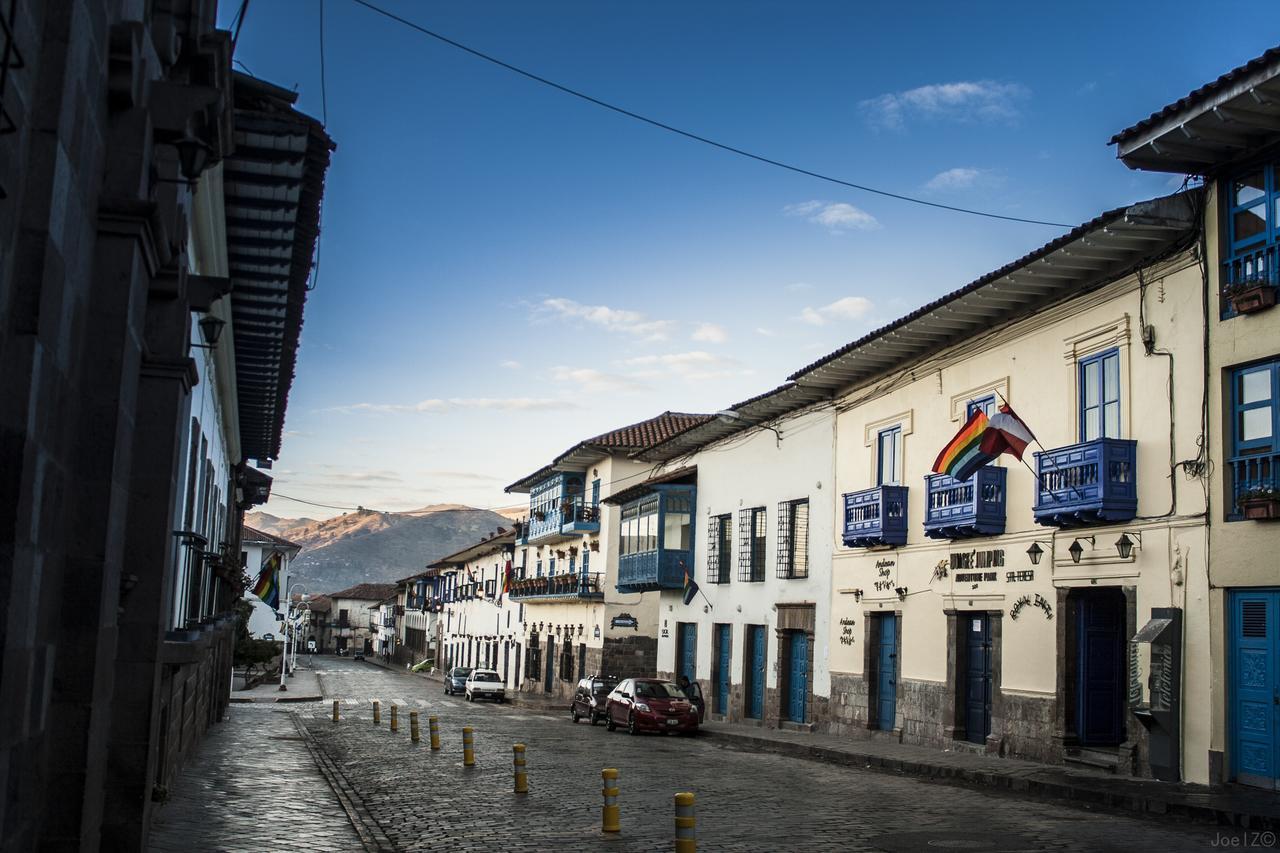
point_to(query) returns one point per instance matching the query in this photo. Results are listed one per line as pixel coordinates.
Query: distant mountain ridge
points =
(369, 546)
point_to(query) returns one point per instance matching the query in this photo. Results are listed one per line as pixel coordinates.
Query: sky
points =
(507, 270)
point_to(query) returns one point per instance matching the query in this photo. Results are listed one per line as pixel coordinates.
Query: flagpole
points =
(1039, 477)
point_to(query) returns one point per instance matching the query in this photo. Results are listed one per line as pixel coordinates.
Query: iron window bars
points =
(793, 539)
(719, 548)
(751, 544)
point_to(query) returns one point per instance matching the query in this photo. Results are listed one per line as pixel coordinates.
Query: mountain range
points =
(370, 546)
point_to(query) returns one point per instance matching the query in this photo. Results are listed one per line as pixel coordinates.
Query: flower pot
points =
(1260, 509)
(1253, 299)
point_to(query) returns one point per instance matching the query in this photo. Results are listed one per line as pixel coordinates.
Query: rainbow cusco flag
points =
(963, 454)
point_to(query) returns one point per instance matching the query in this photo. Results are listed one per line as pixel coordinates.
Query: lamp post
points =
(289, 632)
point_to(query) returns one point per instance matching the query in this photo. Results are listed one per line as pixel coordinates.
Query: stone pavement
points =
(748, 798)
(1250, 808)
(253, 786)
(304, 686)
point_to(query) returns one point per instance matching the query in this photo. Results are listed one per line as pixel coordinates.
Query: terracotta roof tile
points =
(367, 592)
(253, 534)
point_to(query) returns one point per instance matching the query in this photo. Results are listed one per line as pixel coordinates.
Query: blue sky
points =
(507, 270)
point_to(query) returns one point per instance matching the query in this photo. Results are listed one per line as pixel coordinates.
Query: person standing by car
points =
(694, 693)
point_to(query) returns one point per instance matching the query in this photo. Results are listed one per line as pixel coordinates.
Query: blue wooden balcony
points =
(956, 509)
(579, 517)
(875, 517)
(1095, 482)
(650, 570)
(565, 587)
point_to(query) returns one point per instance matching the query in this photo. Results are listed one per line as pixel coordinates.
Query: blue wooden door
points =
(724, 647)
(887, 683)
(688, 663)
(977, 687)
(1100, 697)
(755, 687)
(1254, 706)
(798, 676)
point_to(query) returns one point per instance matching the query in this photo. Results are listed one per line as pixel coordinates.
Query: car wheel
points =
(631, 724)
(500, 699)
(609, 723)
(595, 718)
(573, 714)
(471, 697)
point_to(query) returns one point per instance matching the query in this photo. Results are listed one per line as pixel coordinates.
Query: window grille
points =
(793, 539)
(10, 58)
(719, 548)
(566, 662)
(751, 544)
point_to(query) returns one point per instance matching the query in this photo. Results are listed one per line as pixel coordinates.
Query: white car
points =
(485, 684)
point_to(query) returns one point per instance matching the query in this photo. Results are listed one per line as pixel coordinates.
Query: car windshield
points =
(603, 686)
(658, 690)
(461, 671)
(485, 676)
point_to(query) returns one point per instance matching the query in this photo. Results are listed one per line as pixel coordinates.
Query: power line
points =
(690, 135)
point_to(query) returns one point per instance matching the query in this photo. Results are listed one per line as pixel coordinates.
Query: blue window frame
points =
(586, 561)
(1254, 393)
(538, 568)
(595, 492)
(986, 405)
(889, 456)
(1100, 396)
(551, 566)
(573, 564)
(1251, 208)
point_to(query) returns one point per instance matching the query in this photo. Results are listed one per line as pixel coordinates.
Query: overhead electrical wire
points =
(537, 78)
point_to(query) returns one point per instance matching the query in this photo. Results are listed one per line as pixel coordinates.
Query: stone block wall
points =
(630, 657)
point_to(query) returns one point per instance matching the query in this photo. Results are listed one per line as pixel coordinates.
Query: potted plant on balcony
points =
(1259, 503)
(1250, 297)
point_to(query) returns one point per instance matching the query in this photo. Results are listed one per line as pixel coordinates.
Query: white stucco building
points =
(256, 548)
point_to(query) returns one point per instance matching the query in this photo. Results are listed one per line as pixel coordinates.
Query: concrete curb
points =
(245, 700)
(1100, 793)
(372, 835)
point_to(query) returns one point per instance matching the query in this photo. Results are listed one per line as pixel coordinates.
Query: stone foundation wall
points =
(923, 709)
(1027, 729)
(848, 711)
(630, 657)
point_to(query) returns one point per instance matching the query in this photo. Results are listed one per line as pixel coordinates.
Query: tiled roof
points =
(632, 438)
(1208, 90)
(367, 592)
(253, 534)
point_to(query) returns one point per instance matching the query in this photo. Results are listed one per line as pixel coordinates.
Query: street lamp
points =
(290, 632)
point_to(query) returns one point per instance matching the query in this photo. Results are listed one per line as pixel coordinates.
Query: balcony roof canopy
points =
(1221, 122)
(680, 476)
(491, 545)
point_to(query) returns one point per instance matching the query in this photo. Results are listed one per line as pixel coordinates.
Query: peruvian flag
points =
(1006, 433)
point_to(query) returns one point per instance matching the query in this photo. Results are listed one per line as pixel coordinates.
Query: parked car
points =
(650, 704)
(485, 684)
(359, 655)
(590, 698)
(455, 680)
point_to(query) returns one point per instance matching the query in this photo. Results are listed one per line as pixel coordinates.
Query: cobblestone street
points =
(429, 801)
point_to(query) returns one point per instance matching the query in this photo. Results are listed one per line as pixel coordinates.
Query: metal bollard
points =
(377, 712)
(395, 718)
(335, 710)
(433, 726)
(686, 824)
(522, 775)
(609, 813)
(468, 746)
(413, 726)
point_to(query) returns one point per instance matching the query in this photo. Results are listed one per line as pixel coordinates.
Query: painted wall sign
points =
(846, 632)
(884, 565)
(975, 577)
(625, 620)
(1038, 601)
(978, 560)
(1021, 576)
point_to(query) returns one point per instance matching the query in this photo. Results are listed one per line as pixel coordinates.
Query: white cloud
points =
(848, 308)
(590, 379)
(953, 179)
(835, 216)
(511, 404)
(968, 100)
(511, 364)
(768, 333)
(711, 333)
(696, 365)
(612, 319)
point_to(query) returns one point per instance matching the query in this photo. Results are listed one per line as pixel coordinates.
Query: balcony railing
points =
(1260, 266)
(960, 510)
(1253, 475)
(1094, 482)
(650, 570)
(875, 517)
(579, 517)
(559, 587)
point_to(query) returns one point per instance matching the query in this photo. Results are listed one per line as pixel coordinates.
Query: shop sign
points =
(626, 620)
(1038, 601)
(846, 632)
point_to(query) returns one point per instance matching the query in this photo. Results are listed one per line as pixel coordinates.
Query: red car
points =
(650, 704)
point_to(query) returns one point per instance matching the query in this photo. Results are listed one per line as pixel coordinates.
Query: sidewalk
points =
(1247, 808)
(304, 686)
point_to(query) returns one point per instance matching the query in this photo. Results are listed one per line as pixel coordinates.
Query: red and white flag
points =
(1006, 433)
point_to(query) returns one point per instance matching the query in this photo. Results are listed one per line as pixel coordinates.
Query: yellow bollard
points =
(433, 726)
(395, 718)
(377, 712)
(609, 814)
(686, 824)
(413, 726)
(468, 746)
(335, 710)
(522, 775)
